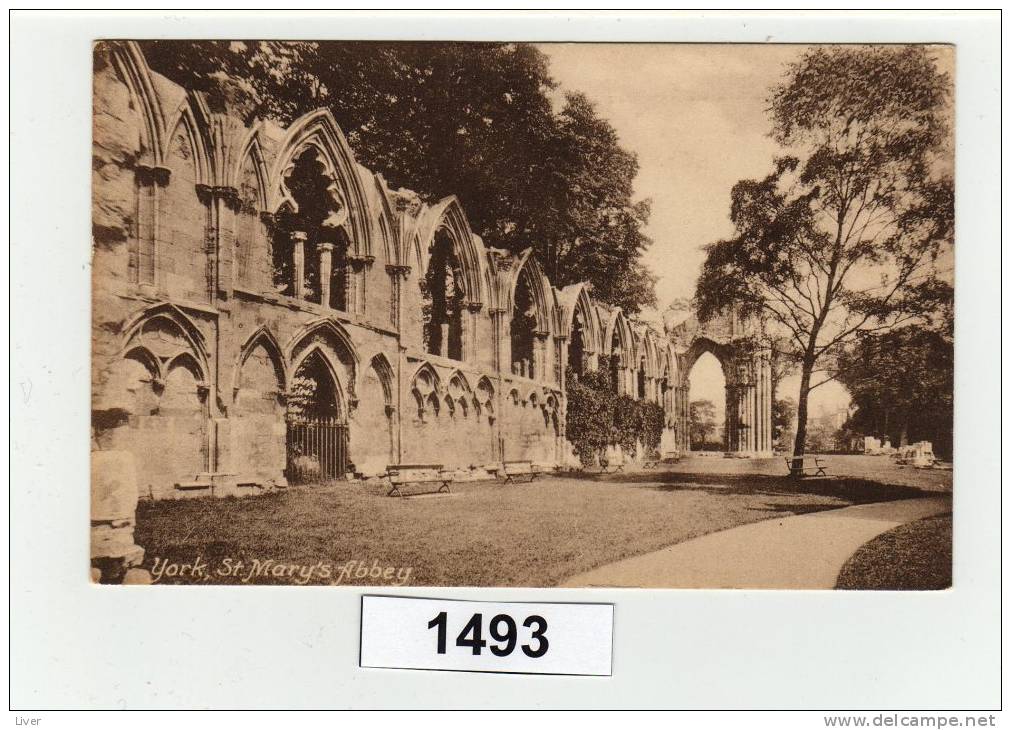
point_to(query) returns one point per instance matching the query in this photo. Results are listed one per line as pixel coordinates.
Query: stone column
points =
(150, 180)
(354, 282)
(298, 239)
(766, 403)
(444, 341)
(222, 203)
(398, 274)
(499, 356)
(561, 359)
(325, 271)
(540, 356)
(750, 419)
(730, 419)
(470, 313)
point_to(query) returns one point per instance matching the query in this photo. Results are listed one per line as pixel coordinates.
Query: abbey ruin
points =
(262, 301)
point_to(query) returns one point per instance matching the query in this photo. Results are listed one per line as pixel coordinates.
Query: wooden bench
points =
(668, 457)
(195, 486)
(806, 469)
(514, 471)
(609, 468)
(401, 475)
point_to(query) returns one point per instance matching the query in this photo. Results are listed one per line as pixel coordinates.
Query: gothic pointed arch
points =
(576, 300)
(447, 217)
(319, 131)
(329, 332)
(317, 390)
(426, 380)
(250, 159)
(263, 339)
(164, 330)
(617, 329)
(484, 393)
(145, 357)
(380, 364)
(528, 271)
(652, 354)
(581, 327)
(132, 67)
(701, 345)
(386, 230)
(529, 305)
(457, 384)
(191, 118)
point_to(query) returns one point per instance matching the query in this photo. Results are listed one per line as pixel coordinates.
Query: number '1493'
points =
(503, 632)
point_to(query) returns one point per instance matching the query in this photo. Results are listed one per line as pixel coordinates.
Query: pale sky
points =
(695, 116)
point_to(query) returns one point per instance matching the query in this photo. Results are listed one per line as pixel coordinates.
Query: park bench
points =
(810, 466)
(668, 457)
(195, 486)
(402, 475)
(607, 467)
(515, 471)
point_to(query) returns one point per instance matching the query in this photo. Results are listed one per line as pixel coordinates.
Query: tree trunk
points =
(797, 466)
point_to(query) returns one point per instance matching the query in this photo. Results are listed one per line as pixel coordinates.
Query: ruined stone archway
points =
(746, 360)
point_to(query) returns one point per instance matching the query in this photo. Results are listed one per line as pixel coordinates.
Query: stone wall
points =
(201, 346)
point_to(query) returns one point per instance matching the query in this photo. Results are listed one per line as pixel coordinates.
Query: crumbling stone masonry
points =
(250, 281)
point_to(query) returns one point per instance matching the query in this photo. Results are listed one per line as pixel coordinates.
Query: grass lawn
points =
(483, 534)
(913, 557)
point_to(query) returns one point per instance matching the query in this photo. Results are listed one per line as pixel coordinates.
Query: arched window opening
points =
(442, 300)
(521, 329)
(313, 394)
(577, 346)
(338, 289)
(310, 246)
(317, 439)
(641, 379)
(707, 405)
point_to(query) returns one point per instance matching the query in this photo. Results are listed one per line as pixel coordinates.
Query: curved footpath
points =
(805, 551)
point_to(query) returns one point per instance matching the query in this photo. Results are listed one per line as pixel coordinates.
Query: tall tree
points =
(476, 120)
(701, 422)
(782, 418)
(850, 232)
(902, 383)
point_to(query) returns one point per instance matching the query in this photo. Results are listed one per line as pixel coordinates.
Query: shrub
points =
(597, 417)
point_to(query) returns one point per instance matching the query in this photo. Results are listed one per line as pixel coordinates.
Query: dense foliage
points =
(850, 233)
(478, 120)
(702, 425)
(901, 383)
(597, 417)
(783, 410)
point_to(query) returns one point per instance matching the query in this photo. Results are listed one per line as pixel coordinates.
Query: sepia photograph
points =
(580, 315)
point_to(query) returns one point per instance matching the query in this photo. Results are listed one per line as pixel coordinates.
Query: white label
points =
(484, 636)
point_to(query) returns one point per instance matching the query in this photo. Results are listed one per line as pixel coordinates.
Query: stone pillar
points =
(298, 239)
(325, 272)
(765, 403)
(444, 342)
(221, 202)
(539, 365)
(144, 253)
(354, 282)
(750, 420)
(499, 356)
(398, 274)
(470, 313)
(730, 420)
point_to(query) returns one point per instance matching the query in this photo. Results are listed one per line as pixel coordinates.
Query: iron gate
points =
(317, 451)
